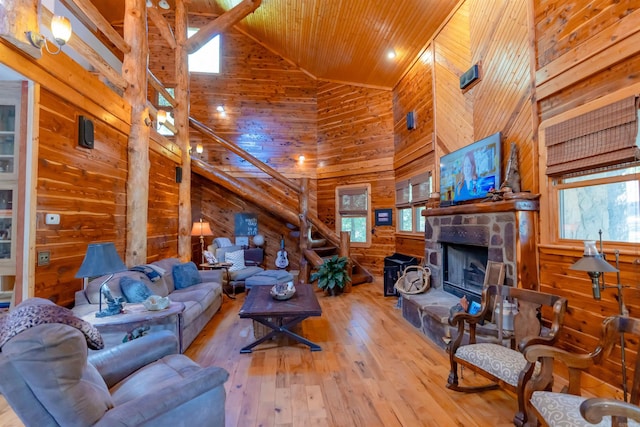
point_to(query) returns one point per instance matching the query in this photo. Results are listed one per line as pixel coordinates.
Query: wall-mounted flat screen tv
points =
(470, 172)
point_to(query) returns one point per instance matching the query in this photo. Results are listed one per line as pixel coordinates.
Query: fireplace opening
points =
(464, 270)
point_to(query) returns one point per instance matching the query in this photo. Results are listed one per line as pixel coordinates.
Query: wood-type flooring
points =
(375, 369)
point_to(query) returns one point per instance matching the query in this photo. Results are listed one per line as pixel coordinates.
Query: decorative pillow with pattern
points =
(39, 311)
(237, 259)
(134, 290)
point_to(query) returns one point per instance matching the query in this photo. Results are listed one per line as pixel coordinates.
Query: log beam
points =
(304, 228)
(221, 23)
(246, 192)
(103, 25)
(157, 85)
(134, 69)
(181, 122)
(162, 25)
(248, 157)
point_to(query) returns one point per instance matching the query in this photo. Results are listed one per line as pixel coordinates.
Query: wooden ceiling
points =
(334, 40)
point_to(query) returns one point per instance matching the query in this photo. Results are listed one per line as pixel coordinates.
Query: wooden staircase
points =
(314, 249)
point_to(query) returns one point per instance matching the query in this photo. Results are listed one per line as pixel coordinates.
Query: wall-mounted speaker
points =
(411, 120)
(85, 132)
(470, 76)
(178, 174)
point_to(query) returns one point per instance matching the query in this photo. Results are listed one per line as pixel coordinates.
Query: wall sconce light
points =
(220, 109)
(61, 30)
(161, 117)
(162, 4)
(199, 149)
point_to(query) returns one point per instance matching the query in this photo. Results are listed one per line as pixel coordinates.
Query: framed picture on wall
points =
(384, 216)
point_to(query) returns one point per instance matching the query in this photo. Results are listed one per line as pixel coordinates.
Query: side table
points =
(115, 328)
(225, 266)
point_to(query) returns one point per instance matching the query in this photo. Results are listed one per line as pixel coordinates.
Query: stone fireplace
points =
(459, 241)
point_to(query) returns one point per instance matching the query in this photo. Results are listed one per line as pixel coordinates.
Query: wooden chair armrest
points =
(545, 352)
(594, 409)
(530, 340)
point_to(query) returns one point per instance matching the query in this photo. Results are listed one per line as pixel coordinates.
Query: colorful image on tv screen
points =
(471, 172)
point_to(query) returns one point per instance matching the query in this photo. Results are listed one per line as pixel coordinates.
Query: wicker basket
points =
(414, 280)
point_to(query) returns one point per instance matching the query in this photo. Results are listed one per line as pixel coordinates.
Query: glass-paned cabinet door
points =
(7, 215)
(8, 138)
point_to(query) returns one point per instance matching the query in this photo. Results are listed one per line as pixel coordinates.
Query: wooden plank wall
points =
(162, 225)
(586, 52)
(494, 35)
(355, 145)
(86, 187)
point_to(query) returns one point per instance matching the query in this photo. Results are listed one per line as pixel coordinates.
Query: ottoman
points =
(267, 277)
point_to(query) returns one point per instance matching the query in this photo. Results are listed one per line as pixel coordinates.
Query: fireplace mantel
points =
(511, 205)
(506, 227)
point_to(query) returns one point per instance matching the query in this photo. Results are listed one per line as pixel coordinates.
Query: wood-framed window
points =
(593, 175)
(411, 199)
(353, 208)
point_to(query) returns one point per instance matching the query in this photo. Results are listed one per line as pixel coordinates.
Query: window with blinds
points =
(411, 198)
(353, 205)
(592, 162)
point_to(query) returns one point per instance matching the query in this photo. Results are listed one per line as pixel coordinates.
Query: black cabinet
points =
(394, 266)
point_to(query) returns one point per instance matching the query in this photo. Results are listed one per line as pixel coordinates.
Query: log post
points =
(304, 227)
(134, 69)
(345, 242)
(181, 118)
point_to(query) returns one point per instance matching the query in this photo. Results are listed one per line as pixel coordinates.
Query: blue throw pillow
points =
(185, 275)
(134, 290)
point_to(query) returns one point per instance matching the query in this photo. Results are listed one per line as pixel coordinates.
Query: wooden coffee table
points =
(280, 316)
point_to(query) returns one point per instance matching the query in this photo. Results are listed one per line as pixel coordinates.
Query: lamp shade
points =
(100, 259)
(593, 263)
(258, 240)
(201, 229)
(61, 29)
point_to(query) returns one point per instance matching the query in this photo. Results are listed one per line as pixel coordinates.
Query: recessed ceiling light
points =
(391, 54)
(163, 4)
(220, 109)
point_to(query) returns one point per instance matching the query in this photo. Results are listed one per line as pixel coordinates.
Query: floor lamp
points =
(201, 229)
(595, 265)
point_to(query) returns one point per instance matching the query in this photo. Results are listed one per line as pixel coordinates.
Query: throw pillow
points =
(185, 275)
(236, 258)
(134, 290)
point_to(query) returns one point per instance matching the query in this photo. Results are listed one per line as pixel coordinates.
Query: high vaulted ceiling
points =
(335, 40)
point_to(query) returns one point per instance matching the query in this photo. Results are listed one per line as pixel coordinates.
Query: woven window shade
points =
(421, 187)
(403, 193)
(353, 201)
(602, 137)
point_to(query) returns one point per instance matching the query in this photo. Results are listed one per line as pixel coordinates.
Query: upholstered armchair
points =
(493, 349)
(50, 379)
(568, 407)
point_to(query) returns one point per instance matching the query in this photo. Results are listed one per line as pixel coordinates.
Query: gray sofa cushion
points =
(243, 274)
(93, 288)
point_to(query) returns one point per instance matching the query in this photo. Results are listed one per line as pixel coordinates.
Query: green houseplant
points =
(332, 276)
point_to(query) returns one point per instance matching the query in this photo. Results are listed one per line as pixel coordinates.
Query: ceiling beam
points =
(162, 25)
(102, 24)
(221, 23)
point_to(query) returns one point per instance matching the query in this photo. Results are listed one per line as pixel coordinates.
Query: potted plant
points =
(332, 276)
